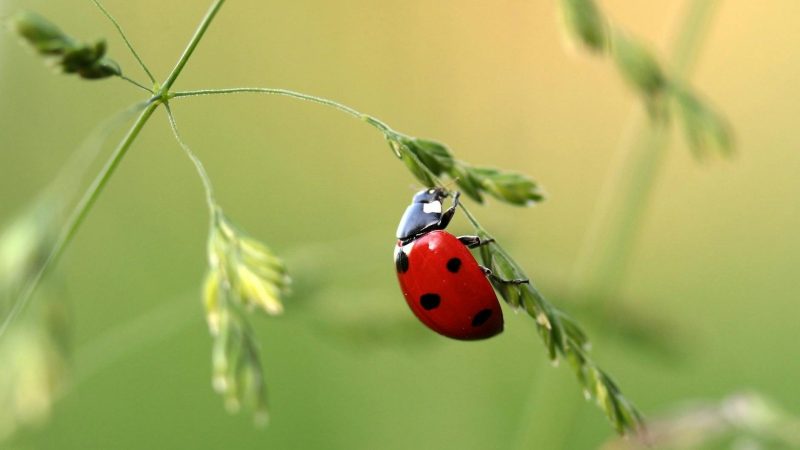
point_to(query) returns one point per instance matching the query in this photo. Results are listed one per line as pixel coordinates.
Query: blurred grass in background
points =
(348, 366)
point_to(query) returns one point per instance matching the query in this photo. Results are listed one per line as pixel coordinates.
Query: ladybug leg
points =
(474, 241)
(448, 215)
(494, 277)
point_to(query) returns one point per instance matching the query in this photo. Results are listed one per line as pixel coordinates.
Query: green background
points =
(348, 366)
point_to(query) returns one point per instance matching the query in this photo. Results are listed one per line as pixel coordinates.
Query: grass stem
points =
(125, 39)
(198, 165)
(78, 215)
(383, 127)
(624, 197)
(187, 53)
(613, 230)
(135, 83)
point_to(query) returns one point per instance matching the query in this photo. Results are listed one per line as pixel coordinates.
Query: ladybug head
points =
(424, 212)
(430, 195)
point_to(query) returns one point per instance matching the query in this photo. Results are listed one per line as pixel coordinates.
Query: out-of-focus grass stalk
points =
(612, 233)
(78, 215)
(624, 197)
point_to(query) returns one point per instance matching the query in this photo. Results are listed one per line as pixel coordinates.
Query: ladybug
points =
(442, 283)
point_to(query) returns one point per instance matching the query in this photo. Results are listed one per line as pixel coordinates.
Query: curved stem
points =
(78, 215)
(125, 39)
(474, 221)
(695, 27)
(624, 197)
(610, 238)
(380, 125)
(67, 182)
(198, 165)
(187, 53)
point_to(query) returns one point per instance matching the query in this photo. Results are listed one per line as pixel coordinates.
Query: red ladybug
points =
(442, 282)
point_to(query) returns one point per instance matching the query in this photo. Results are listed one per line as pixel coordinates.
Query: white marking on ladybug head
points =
(432, 207)
(407, 248)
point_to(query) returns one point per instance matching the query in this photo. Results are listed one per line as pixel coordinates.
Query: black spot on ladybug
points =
(481, 318)
(430, 301)
(401, 262)
(453, 265)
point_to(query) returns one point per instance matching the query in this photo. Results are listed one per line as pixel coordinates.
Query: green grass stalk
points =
(79, 214)
(612, 233)
(624, 198)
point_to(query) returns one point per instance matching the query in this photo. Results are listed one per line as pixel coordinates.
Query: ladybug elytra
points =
(442, 283)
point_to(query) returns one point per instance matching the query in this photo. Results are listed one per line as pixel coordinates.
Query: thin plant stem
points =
(474, 221)
(67, 180)
(135, 83)
(78, 215)
(187, 53)
(611, 236)
(607, 247)
(383, 127)
(126, 40)
(623, 200)
(695, 24)
(198, 165)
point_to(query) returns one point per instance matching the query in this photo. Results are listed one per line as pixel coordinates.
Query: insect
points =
(441, 281)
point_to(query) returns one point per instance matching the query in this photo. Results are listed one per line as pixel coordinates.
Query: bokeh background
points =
(348, 366)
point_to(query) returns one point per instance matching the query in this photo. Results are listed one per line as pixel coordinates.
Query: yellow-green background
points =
(348, 366)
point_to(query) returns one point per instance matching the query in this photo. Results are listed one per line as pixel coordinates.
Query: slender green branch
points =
(125, 38)
(187, 53)
(383, 127)
(607, 247)
(78, 215)
(604, 255)
(695, 27)
(67, 181)
(611, 235)
(136, 83)
(198, 165)
(471, 218)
